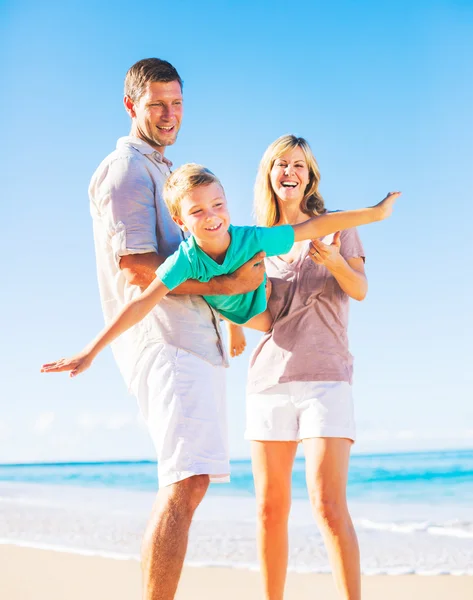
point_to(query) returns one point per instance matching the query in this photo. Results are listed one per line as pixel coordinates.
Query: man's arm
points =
(140, 270)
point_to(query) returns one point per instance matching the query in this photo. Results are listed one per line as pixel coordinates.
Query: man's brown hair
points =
(147, 71)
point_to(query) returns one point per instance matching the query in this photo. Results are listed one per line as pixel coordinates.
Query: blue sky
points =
(383, 92)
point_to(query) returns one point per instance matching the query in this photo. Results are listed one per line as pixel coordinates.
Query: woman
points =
(300, 374)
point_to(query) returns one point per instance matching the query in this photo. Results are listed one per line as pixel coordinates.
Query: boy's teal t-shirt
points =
(190, 262)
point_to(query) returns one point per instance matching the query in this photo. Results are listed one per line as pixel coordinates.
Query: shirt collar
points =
(143, 147)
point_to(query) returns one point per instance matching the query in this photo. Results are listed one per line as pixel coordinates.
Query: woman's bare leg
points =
(327, 473)
(272, 467)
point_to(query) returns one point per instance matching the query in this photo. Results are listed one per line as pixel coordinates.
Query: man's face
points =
(157, 114)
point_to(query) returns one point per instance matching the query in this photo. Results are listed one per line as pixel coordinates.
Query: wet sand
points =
(36, 574)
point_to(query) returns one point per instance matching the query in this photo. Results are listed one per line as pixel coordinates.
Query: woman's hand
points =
(385, 207)
(76, 364)
(326, 254)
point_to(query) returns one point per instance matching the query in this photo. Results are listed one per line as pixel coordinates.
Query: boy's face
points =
(204, 213)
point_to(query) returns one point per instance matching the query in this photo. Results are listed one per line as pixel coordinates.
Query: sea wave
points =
(459, 529)
(228, 564)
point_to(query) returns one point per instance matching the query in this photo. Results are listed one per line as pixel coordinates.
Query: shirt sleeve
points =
(130, 191)
(351, 246)
(276, 240)
(176, 269)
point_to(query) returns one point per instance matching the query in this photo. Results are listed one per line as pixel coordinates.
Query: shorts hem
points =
(271, 436)
(221, 475)
(329, 433)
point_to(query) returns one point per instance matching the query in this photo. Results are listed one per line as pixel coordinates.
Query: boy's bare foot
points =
(236, 340)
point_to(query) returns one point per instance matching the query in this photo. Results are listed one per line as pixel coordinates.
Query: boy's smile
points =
(205, 215)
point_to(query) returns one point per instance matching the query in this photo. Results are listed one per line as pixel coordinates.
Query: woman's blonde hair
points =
(182, 181)
(266, 206)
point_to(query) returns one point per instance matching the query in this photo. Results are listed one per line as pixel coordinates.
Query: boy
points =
(196, 201)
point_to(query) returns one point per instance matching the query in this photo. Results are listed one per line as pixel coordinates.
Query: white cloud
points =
(89, 421)
(119, 421)
(113, 421)
(44, 423)
(5, 431)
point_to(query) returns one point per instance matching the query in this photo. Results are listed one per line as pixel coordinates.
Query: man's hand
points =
(139, 269)
(247, 277)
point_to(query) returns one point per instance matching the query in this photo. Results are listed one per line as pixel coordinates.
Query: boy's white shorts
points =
(300, 410)
(182, 399)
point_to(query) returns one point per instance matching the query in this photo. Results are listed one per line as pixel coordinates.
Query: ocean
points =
(413, 512)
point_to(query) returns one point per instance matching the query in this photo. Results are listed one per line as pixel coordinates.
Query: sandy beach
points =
(36, 574)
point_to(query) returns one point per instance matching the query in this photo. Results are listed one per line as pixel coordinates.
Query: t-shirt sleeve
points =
(176, 269)
(276, 240)
(351, 246)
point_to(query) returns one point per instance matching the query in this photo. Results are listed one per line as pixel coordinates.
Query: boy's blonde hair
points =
(266, 207)
(182, 181)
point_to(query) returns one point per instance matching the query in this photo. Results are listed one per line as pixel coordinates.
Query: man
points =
(168, 359)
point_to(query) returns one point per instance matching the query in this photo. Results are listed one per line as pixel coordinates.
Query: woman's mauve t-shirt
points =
(309, 340)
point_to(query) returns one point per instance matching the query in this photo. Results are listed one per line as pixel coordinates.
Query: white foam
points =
(451, 532)
(393, 571)
(407, 527)
(68, 549)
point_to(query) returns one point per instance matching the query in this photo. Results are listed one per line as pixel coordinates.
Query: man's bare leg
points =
(165, 540)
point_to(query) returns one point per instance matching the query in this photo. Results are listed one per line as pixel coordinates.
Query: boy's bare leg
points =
(165, 540)
(262, 322)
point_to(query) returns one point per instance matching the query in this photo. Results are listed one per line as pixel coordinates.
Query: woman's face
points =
(290, 176)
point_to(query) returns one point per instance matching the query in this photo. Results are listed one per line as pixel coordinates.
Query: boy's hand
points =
(247, 277)
(76, 364)
(385, 207)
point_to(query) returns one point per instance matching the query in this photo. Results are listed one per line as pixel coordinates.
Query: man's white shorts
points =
(299, 410)
(182, 399)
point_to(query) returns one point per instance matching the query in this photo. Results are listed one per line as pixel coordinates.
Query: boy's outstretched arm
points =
(336, 221)
(130, 315)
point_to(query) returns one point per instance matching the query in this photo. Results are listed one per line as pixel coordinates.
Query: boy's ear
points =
(180, 222)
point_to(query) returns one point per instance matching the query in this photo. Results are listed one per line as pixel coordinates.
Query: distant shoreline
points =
(137, 461)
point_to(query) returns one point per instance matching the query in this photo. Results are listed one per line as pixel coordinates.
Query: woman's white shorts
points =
(299, 410)
(182, 399)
